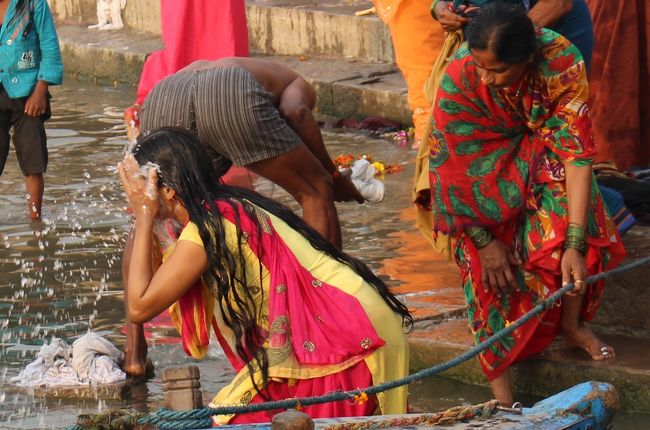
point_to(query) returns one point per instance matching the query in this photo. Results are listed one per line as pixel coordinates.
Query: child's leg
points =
(31, 150)
(34, 186)
(5, 125)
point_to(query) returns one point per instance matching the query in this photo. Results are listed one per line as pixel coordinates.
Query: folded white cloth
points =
(363, 177)
(91, 359)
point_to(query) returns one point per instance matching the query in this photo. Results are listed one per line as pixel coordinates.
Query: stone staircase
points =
(349, 60)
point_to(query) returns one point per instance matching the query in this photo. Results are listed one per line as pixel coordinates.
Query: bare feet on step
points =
(588, 341)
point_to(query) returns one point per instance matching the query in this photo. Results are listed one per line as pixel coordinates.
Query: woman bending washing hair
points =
(511, 181)
(295, 316)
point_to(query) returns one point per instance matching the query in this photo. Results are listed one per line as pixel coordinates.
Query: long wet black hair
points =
(504, 29)
(185, 167)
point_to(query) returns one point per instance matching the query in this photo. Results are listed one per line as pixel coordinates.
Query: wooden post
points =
(182, 388)
(292, 420)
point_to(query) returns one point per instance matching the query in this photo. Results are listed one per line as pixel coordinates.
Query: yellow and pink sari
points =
(325, 328)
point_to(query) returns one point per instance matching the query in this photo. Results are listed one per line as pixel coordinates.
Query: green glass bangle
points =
(433, 9)
(479, 236)
(578, 244)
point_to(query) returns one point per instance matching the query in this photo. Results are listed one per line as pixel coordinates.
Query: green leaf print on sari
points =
(510, 193)
(448, 85)
(462, 128)
(553, 203)
(454, 108)
(523, 168)
(496, 323)
(487, 206)
(458, 206)
(485, 165)
(468, 147)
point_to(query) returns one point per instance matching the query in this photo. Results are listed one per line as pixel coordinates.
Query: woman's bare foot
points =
(588, 341)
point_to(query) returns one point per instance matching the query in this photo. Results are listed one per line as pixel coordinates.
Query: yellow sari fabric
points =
(386, 363)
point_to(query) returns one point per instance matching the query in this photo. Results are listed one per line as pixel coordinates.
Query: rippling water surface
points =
(62, 276)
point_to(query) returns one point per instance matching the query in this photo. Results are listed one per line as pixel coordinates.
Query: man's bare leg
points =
(301, 174)
(34, 186)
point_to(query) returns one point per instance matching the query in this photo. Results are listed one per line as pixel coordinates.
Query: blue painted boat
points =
(587, 406)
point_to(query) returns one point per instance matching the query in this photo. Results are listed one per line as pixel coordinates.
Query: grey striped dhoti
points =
(228, 109)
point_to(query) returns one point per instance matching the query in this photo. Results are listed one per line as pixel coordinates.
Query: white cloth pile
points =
(91, 359)
(362, 174)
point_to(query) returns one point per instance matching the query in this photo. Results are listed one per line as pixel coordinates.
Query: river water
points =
(62, 276)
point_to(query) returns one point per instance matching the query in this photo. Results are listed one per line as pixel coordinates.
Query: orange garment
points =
(417, 38)
(619, 81)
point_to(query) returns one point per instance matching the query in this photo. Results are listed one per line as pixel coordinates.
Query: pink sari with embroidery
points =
(318, 337)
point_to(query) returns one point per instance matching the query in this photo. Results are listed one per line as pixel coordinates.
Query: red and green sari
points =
(497, 161)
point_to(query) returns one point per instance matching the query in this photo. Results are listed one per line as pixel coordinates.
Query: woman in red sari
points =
(295, 316)
(511, 181)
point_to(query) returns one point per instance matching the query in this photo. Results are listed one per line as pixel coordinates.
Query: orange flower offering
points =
(346, 160)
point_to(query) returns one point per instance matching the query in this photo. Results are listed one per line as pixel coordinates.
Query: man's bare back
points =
(274, 77)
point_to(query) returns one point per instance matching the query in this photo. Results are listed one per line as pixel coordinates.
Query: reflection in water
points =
(62, 276)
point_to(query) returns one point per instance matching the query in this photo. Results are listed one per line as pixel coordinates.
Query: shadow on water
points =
(62, 276)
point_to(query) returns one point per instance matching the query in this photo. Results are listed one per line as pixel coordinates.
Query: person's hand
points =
(496, 267)
(345, 191)
(574, 269)
(141, 191)
(449, 20)
(37, 101)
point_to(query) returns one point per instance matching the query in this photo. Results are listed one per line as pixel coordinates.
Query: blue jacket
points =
(29, 48)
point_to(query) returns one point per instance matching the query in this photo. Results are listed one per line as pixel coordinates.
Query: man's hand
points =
(345, 191)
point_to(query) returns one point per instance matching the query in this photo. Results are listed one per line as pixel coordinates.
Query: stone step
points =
(345, 88)
(328, 28)
(556, 369)
(278, 27)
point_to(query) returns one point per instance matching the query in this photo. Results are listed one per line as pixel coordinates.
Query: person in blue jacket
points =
(30, 61)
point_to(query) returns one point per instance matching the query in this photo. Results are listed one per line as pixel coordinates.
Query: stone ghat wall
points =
(141, 15)
(274, 28)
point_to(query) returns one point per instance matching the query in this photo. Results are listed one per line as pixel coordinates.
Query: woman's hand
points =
(141, 191)
(449, 20)
(496, 267)
(574, 269)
